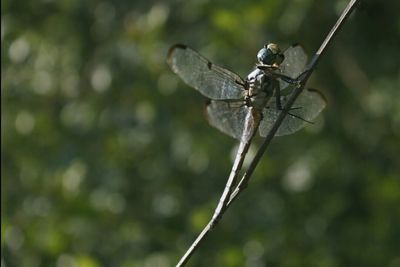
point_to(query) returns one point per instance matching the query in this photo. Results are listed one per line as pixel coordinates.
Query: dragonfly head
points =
(270, 55)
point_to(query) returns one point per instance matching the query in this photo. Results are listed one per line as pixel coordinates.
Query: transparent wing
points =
(294, 63)
(307, 107)
(229, 118)
(211, 80)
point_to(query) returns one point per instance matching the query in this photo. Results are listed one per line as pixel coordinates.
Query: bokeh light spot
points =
(73, 176)
(19, 50)
(253, 249)
(145, 112)
(42, 82)
(66, 260)
(101, 78)
(298, 177)
(165, 204)
(157, 15)
(104, 200)
(14, 238)
(24, 122)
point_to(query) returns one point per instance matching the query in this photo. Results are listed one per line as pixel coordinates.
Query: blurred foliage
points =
(107, 159)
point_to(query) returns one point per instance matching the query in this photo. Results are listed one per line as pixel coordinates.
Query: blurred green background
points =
(107, 159)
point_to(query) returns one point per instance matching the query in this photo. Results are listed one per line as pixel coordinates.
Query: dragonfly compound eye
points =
(270, 55)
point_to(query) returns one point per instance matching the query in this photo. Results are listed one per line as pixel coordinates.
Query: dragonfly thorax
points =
(260, 89)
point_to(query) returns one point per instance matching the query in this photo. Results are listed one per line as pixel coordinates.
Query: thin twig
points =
(296, 92)
(252, 122)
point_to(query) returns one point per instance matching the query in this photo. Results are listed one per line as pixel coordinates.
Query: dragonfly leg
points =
(300, 118)
(270, 70)
(245, 84)
(279, 107)
(244, 103)
(285, 78)
(290, 80)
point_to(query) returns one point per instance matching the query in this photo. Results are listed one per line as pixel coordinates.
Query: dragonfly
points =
(239, 107)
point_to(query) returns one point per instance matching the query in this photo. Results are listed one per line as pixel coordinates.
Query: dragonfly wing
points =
(211, 80)
(294, 63)
(306, 108)
(229, 118)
